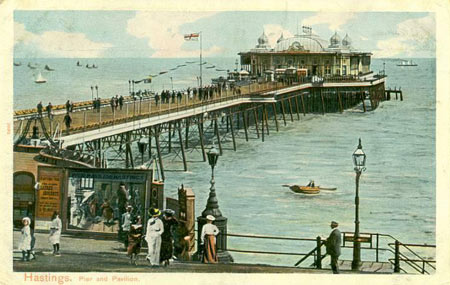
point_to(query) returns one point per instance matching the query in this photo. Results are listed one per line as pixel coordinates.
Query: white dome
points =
(306, 42)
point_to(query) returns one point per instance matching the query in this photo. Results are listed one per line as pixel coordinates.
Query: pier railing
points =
(404, 258)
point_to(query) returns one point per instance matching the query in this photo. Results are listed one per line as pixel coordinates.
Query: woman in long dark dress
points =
(134, 240)
(166, 238)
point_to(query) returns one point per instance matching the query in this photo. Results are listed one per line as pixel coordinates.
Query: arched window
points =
(24, 198)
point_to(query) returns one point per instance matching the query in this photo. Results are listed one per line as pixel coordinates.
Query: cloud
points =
(412, 36)
(273, 33)
(334, 20)
(162, 30)
(59, 44)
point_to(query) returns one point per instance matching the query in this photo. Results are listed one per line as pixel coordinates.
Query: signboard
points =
(49, 193)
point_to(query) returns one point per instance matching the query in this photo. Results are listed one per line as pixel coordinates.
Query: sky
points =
(148, 34)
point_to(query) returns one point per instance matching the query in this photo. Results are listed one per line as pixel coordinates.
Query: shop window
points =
(96, 202)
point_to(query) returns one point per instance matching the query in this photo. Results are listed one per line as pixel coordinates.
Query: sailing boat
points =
(48, 68)
(40, 79)
(78, 63)
(30, 66)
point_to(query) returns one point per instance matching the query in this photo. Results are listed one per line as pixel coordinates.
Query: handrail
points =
(270, 237)
(306, 256)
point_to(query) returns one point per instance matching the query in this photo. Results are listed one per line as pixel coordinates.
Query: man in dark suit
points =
(333, 245)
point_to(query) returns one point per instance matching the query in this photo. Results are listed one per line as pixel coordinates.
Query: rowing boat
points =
(307, 189)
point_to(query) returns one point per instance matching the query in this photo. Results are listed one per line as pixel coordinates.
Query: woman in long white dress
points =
(25, 239)
(155, 228)
(55, 232)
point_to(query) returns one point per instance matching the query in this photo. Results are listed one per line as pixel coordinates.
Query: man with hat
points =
(169, 222)
(208, 236)
(333, 245)
(126, 223)
(155, 228)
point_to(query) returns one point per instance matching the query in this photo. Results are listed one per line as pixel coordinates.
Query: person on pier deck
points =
(155, 229)
(333, 245)
(209, 233)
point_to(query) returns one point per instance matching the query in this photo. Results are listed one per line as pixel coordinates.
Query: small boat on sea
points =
(87, 66)
(407, 63)
(94, 66)
(79, 64)
(40, 79)
(220, 69)
(208, 67)
(48, 68)
(17, 63)
(30, 66)
(162, 72)
(190, 61)
(307, 189)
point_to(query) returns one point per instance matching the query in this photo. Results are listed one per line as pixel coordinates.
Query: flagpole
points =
(201, 61)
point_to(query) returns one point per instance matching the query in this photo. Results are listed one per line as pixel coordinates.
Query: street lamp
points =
(212, 206)
(92, 92)
(359, 162)
(96, 88)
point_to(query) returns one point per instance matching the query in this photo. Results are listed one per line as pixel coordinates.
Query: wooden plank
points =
(274, 109)
(216, 129)
(230, 116)
(244, 120)
(180, 138)
(255, 117)
(200, 134)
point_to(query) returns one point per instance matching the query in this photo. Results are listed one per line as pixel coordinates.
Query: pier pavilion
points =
(308, 52)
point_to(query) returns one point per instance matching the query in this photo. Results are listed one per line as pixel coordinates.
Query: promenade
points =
(101, 255)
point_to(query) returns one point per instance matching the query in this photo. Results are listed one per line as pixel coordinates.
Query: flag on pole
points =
(192, 37)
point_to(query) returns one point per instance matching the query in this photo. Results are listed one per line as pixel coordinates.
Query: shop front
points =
(93, 200)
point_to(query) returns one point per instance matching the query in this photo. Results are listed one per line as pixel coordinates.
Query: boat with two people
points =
(310, 188)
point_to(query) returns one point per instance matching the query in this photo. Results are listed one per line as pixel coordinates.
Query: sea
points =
(397, 189)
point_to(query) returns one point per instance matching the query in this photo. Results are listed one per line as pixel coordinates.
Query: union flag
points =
(192, 37)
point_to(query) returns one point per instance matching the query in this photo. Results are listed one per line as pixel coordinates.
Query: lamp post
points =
(92, 92)
(96, 89)
(212, 208)
(359, 162)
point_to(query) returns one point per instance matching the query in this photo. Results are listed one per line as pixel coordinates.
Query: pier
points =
(143, 130)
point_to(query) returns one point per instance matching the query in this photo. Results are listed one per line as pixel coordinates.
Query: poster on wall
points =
(49, 193)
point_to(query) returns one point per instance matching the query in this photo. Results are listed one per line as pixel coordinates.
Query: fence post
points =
(397, 257)
(378, 241)
(319, 253)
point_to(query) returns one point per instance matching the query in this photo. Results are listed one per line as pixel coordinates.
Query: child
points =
(134, 240)
(25, 239)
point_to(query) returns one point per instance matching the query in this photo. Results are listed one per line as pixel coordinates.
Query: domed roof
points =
(335, 40)
(347, 41)
(303, 42)
(263, 40)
